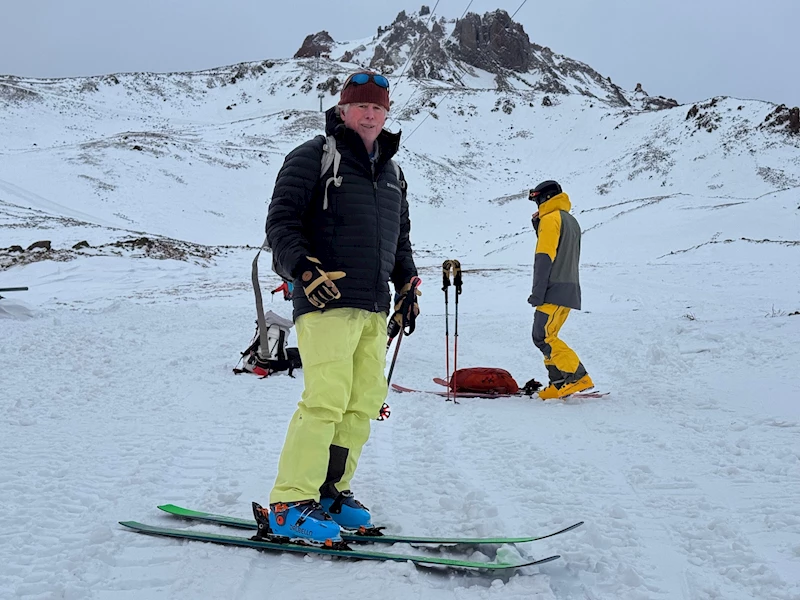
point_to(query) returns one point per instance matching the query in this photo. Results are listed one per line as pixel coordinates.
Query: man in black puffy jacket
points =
(340, 240)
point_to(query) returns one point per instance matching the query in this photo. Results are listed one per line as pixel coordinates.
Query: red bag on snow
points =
(485, 380)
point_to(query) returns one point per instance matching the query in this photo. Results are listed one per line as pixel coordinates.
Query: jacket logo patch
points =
(394, 187)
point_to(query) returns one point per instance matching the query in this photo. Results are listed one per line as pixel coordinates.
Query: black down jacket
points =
(364, 231)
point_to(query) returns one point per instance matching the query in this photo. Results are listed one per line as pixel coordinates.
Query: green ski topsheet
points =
(194, 515)
(450, 563)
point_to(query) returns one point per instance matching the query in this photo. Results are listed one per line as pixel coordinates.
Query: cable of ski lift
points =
(520, 6)
(466, 9)
(417, 86)
(441, 102)
(450, 91)
(414, 49)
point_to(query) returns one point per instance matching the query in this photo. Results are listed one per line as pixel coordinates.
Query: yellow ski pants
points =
(547, 322)
(344, 357)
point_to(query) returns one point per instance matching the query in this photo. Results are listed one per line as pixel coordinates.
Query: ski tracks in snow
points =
(691, 494)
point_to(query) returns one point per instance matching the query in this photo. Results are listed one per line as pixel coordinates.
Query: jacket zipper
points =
(378, 233)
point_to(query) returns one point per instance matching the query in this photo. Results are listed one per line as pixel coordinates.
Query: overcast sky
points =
(685, 49)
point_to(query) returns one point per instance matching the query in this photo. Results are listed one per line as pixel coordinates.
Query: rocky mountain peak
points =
(492, 42)
(316, 44)
(423, 45)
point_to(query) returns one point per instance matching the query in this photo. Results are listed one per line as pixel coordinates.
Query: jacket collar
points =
(557, 202)
(388, 142)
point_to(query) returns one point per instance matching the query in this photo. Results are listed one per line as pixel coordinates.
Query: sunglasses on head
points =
(362, 78)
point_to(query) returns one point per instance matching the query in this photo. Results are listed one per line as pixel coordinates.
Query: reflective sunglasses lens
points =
(360, 78)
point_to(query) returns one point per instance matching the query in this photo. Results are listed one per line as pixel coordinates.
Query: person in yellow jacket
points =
(556, 288)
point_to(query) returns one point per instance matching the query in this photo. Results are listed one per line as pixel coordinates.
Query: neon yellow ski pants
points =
(344, 357)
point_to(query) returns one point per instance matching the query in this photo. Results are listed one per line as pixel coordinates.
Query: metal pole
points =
(394, 358)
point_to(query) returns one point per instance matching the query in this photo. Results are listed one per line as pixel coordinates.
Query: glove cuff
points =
(307, 264)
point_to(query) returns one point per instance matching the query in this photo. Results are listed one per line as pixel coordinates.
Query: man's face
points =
(366, 119)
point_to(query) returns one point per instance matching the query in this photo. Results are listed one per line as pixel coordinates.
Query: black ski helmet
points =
(544, 191)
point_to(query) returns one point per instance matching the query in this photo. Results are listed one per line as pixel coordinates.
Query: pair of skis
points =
(520, 394)
(354, 538)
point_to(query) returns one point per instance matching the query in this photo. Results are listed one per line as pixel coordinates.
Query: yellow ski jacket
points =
(558, 254)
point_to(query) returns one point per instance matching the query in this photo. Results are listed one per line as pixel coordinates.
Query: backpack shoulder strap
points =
(328, 152)
(398, 173)
(330, 156)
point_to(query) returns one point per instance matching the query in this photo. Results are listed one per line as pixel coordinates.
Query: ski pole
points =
(13, 289)
(394, 358)
(407, 324)
(446, 267)
(457, 283)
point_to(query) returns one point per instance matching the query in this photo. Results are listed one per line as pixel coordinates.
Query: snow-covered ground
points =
(117, 391)
(118, 395)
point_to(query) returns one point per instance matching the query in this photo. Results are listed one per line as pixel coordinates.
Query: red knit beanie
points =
(366, 92)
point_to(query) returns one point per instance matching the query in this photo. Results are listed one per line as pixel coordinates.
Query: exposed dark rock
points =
(430, 60)
(492, 41)
(404, 31)
(43, 245)
(154, 248)
(315, 44)
(658, 103)
(11, 94)
(784, 118)
(332, 85)
(703, 115)
(141, 242)
(381, 61)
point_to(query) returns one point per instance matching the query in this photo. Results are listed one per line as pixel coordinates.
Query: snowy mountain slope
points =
(212, 141)
(217, 175)
(115, 368)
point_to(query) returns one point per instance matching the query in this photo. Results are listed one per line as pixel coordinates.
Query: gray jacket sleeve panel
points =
(542, 266)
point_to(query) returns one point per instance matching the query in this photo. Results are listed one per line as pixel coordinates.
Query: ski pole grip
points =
(457, 276)
(447, 266)
(409, 320)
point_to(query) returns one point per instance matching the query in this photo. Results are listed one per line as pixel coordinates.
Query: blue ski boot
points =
(348, 512)
(299, 522)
